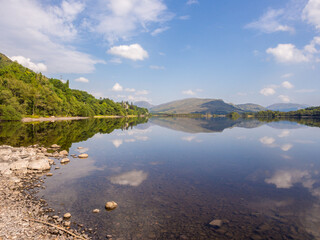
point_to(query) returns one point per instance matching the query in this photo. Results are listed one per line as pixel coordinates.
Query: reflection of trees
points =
(312, 122)
(63, 133)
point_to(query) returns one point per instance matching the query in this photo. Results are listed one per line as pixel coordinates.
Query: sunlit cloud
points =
(267, 140)
(284, 133)
(286, 147)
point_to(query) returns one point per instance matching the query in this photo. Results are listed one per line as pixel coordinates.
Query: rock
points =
(55, 217)
(50, 161)
(216, 223)
(49, 174)
(55, 146)
(57, 168)
(83, 155)
(64, 152)
(4, 167)
(96, 210)
(65, 160)
(80, 147)
(111, 205)
(67, 215)
(19, 165)
(109, 236)
(39, 164)
(67, 223)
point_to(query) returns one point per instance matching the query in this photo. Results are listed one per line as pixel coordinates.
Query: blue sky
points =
(264, 51)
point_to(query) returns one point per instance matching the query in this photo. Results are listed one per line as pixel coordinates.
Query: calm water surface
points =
(172, 177)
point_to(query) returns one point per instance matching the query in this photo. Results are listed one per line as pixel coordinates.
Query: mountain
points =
(204, 125)
(201, 106)
(143, 104)
(24, 92)
(286, 107)
(250, 107)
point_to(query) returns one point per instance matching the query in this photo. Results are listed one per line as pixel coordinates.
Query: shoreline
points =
(53, 119)
(23, 215)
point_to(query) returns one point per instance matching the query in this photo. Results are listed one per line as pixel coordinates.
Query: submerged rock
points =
(83, 155)
(96, 210)
(216, 223)
(49, 174)
(111, 205)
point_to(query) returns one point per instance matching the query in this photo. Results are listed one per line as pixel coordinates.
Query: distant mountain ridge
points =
(143, 104)
(204, 106)
(287, 107)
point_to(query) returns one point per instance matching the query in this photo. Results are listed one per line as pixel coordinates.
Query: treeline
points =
(64, 133)
(307, 112)
(26, 93)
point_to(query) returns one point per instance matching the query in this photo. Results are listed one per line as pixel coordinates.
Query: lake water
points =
(172, 177)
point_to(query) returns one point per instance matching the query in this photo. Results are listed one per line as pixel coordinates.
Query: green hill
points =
(204, 106)
(250, 107)
(24, 92)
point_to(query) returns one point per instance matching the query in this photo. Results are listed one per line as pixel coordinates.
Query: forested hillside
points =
(26, 93)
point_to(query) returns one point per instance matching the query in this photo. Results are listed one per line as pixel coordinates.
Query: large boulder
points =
(83, 155)
(39, 164)
(19, 165)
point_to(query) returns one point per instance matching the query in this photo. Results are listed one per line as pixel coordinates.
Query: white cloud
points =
(305, 90)
(287, 53)
(287, 85)
(117, 88)
(159, 30)
(117, 142)
(142, 92)
(44, 34)
(130, 90)
(284, 133)
(133, 178)
(189, 92)
(287, 75)
(26, 62)
(269, 22)
(267, 91)
(185, 17)
(311, 13)
(155, 67)
(122, 19)
(267, 140)
(134, 52)
(286, 179)
(188, 138)
(190, 2)
(116, 60)
(82, 79)
(286, 147)
(284, 98)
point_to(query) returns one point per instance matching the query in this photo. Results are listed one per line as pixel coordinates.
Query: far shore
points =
(52, 119)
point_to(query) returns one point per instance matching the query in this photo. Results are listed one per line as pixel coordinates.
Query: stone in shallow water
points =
(65, 160)
(111, 205)
(83, 155)
(95, 210)
(64, 152)
(49, 174)
(216, 223)
(67, 215)
(67, 223)
(55, 146)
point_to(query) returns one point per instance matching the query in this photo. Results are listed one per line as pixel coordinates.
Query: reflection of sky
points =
(265, 164)
(132, 178)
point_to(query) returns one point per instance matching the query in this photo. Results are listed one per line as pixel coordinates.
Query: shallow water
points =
(172, 177)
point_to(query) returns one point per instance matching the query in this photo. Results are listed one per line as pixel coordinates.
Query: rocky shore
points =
(22, 214)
